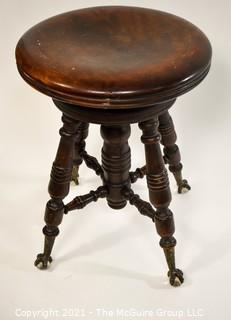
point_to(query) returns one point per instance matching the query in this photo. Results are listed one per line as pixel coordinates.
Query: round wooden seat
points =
(115, 66)
(114, 57)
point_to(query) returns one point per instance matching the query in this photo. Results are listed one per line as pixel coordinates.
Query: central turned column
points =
(116, 162)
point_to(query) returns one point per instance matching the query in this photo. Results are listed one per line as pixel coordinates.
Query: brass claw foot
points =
(175, 277)
(75, 174)
(183, 186)
(42, 261)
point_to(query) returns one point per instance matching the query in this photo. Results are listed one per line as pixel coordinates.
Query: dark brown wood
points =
(114, 57)
(81, 201)
(157, 177)
(81, 135)
(58, 188)
(143, 207)
(139, 173)
(115, 66)
(160, 195)
(112, 116)
(93, 163)
(171, 151)
(116, 162)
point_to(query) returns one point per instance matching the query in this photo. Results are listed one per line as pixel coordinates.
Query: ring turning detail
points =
(116, 183)
(115, 66)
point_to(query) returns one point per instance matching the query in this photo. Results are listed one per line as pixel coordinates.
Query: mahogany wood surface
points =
(114, 56)
(115, 66)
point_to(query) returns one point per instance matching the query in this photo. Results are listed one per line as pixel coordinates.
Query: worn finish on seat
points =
(114, 57)
(115, 66)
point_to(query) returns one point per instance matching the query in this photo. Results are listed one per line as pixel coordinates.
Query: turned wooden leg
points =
(81, 135)
(116, 162)
(58, 188)
(160, 196)
(171, 151)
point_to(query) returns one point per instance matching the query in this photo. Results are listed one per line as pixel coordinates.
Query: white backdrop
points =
(106, 260)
